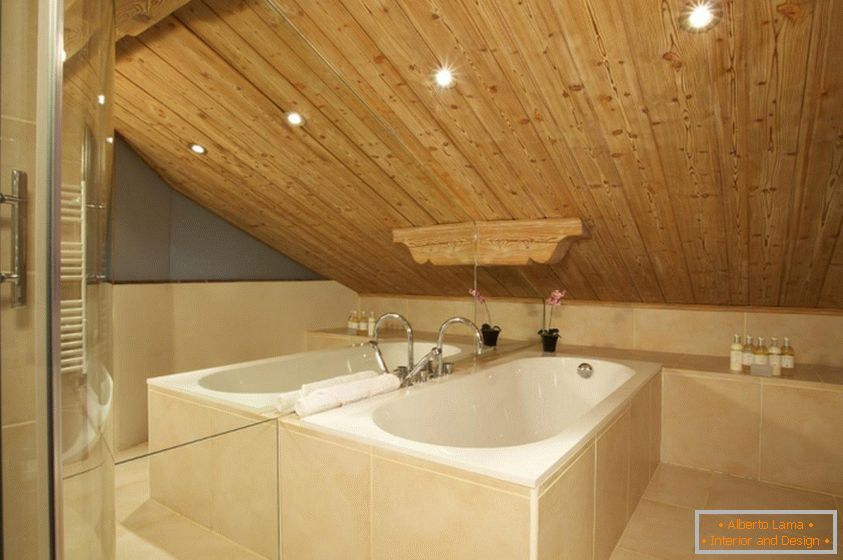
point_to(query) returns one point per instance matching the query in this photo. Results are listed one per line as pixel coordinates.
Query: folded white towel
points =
(346, 393)
(287, 401)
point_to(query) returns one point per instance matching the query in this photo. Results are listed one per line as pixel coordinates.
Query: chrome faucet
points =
(440, 340)
(407, 328)
(419, 371)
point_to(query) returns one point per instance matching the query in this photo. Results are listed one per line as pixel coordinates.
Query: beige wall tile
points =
(143, 348)
(594, 325)
(20, 35)
(639, 446)
(418, 514)
(731, 492)
(711, 423)
(655, 421)
(325, 505)
(801, 444)
(381, 305)
(20, 508)
(566, 513)
(624, 554)
(428, 314)
(690, 332)
(244, 488)
(817, 339)
(518, 321)
(612, 486)
(228, 322)
(180, 479)
(679, 486)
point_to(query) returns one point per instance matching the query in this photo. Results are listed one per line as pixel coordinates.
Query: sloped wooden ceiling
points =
(707, 165)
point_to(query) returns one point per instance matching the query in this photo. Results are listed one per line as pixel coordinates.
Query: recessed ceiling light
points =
(700, 15)
(101, 99)
(295, 119)
(63, 55)
(198, 149)
(110, 139)
(444, 77)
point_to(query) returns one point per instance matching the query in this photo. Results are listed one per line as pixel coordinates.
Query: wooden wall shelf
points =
(505, 242)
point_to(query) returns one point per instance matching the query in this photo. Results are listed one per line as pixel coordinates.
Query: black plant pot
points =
(549, 342)
(490, 337)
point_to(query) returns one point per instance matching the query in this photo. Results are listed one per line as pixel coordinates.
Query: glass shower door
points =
(25, 138)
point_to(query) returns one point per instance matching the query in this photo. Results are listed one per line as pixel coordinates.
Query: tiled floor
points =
(146, 530)
(662, 526)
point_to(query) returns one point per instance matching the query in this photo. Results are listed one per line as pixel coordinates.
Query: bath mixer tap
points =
(420, 371)
(440, 340)
(407, 328)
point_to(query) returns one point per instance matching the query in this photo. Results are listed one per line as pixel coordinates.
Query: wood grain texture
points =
(706, 166)
(497, 243)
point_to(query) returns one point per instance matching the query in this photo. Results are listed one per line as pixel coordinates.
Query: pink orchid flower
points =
(556, 297)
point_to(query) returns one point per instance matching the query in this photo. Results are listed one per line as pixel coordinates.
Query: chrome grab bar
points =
(17, 200)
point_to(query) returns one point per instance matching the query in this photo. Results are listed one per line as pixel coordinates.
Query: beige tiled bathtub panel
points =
(711, 423)
(802, 438)
(418, 514)
(566, 512)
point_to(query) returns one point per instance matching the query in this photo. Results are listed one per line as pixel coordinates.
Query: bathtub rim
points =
(505, 464)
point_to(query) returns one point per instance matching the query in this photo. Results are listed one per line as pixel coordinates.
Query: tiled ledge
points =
(805, 375)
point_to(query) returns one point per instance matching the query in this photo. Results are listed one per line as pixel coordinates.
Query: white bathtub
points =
(255, 386)
(517, 419)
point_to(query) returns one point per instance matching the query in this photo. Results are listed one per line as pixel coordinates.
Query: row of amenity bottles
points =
(754, 356)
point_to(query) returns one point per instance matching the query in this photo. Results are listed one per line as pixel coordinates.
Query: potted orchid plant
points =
(490, 333)
(550, 336)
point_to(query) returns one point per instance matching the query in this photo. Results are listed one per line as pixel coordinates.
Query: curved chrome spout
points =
(407, 328)
(440, 340)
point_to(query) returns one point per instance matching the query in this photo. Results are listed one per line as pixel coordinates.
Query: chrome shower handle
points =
(17, 200)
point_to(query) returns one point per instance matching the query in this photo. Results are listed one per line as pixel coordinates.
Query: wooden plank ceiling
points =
(707, 165)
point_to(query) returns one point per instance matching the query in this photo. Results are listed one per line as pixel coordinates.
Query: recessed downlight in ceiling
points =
(700, 15)
(444, 77)
(197, 149)
(101, 99)
(295, 119)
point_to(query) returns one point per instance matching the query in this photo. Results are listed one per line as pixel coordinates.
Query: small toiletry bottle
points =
(760, 353)
(775, 356)
(362, 323)
(788, 355)
(747, 356)
(736, 354)
(351, 325)
(370, 325)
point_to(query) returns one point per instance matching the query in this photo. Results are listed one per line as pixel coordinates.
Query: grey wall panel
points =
(161, 235)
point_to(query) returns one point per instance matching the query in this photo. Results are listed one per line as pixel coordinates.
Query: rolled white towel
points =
(346, 393)
(308, 388)
(287, 401)
(316, 402)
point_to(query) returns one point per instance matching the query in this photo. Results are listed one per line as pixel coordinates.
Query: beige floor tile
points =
(730, 492)
(679, 486)
(660, 530)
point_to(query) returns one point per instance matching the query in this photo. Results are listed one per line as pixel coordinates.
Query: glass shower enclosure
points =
(56, 70)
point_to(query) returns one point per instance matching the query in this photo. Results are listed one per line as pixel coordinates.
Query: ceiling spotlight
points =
(295, 119)
(198, 149)
(444, 77)
(109, 139)
(700, 15)
(101, 99)
(63, 55)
